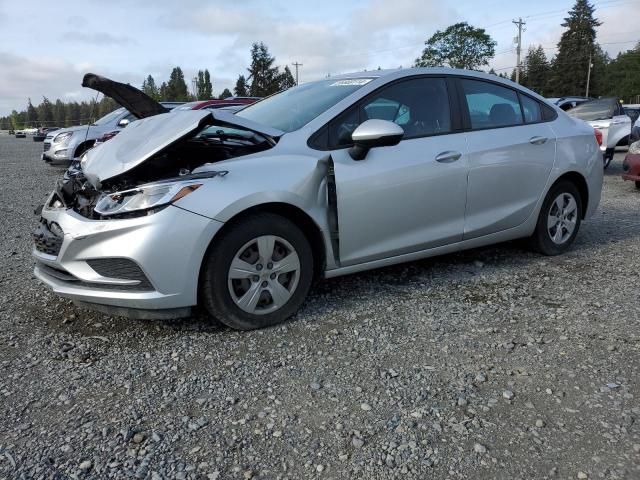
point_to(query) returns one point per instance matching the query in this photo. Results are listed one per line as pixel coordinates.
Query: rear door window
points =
(491, 105)
(531, 109)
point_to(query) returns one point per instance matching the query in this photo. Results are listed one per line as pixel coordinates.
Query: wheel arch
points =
(581, 184)
(309, 227)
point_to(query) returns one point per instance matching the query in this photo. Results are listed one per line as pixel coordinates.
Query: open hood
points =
(137, 102)
(148, 137)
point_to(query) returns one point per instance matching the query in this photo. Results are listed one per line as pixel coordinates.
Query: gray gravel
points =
(492, 363)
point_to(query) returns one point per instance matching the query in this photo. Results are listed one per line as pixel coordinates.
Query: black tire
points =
(608, 156)
(541, 239)
(214, 285)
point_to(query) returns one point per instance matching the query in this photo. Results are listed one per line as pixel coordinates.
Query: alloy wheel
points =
(263, 274)
(562, 218)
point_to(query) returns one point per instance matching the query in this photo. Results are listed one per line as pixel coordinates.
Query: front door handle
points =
(448, 156)
(538, 140)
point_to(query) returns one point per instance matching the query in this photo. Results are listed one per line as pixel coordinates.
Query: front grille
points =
(121, 268)
(46, 146)
(47, 241)
(66, 277)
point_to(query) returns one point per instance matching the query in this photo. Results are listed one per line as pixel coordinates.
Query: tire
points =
(638, 185)
(267, 297)
(542, 239)
(608, 156)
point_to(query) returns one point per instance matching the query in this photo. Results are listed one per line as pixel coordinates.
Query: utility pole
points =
(588, 75)
(520, 24)
(296, 64)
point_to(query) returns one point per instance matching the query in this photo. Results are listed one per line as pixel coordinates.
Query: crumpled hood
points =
(137, 102)
(145, 138)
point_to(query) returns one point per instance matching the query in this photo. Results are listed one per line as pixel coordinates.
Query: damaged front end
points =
(155, 162)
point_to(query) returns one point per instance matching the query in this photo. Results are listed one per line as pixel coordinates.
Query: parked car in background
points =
(42, 133)
(567, 103)
(107, 136)
(635, 131)
(240, 212)
(633, 110)
(12, 132)
(608, 116)
(64, 145)
(21, 134)
(631, 164)
(216, 103)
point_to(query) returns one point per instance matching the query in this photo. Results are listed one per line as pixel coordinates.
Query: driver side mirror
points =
(374, 133)
(123, 123)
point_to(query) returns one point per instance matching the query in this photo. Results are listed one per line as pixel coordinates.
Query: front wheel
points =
(559, 220)
(257, 273)
(608, 157)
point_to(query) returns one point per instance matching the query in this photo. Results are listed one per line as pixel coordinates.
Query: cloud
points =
(96, 38)
(375, 34)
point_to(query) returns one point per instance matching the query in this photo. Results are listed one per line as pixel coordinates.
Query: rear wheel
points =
(257, 273)
(559, 220)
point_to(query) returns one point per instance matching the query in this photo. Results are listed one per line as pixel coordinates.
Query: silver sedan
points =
(241, 212)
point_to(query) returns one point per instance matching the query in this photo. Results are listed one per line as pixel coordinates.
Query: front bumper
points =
(147, 263)
(57, 154)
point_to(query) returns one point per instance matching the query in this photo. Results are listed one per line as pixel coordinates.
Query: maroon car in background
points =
(227, 103)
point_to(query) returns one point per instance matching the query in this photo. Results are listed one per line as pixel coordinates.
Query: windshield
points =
(601, 109)
(109, 117)
(294, 108)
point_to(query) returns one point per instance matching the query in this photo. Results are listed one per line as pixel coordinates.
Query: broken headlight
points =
(143, 200)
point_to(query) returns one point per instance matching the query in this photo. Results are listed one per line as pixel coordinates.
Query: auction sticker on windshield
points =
(351, 82)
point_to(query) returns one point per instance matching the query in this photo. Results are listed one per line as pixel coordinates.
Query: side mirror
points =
(374, 133)
(123, 123)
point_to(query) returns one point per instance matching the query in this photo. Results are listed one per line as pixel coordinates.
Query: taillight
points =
(598, 136)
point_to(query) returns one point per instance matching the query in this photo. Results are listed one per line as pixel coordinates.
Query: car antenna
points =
(95, 101)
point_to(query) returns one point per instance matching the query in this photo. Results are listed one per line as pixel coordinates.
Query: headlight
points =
(62, 137)
(634, 148)
(144, 199)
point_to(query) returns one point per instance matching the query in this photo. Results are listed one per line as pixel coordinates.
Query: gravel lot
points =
(493, 363)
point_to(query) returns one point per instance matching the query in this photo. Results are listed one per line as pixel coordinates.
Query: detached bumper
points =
(150, 263)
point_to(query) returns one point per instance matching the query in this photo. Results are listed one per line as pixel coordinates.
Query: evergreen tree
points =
(176, 86)
(570, 66)
(163, 92)
(59, 112)
(513, 75)
(32, 115)
(241, 89)
(459, 46)
(536, 70)
(226, 93)
(149, 87)
(265, 78)
(45, 113)
(286, 79)
(623, 79)
(204, 88)
(492, 72)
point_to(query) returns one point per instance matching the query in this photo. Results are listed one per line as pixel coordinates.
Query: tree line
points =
(263, 78)
(565, 74)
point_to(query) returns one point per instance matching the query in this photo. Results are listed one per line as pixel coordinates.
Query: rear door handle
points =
(448, 156)
(538, 140)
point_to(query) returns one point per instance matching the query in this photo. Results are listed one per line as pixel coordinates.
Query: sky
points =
(46, 47)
